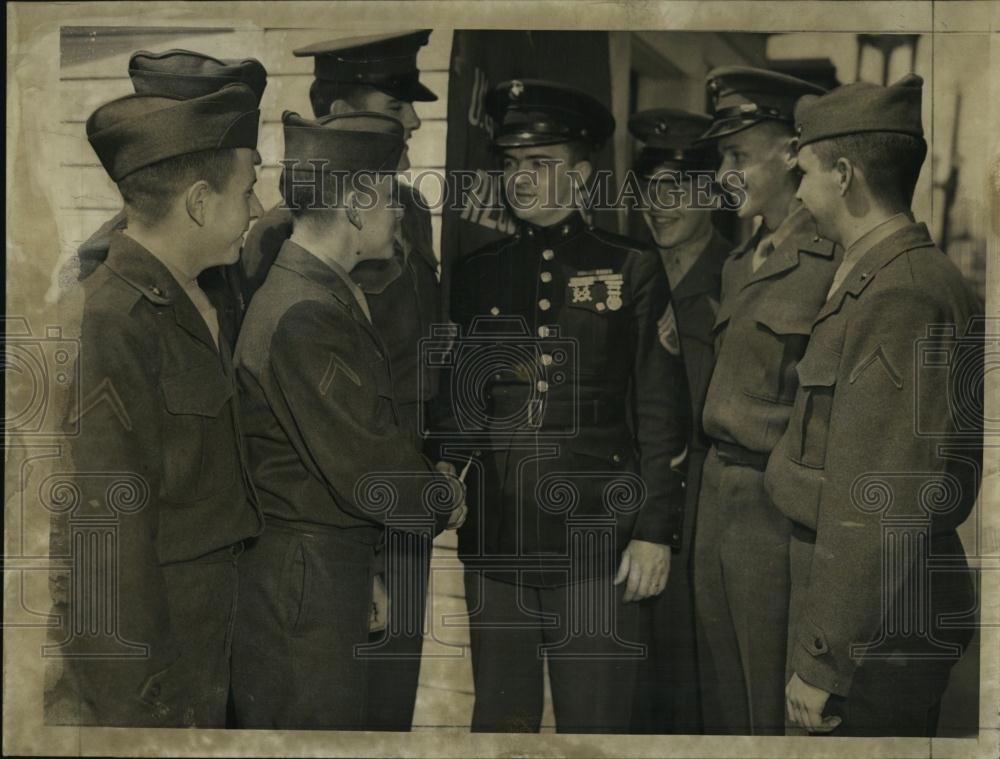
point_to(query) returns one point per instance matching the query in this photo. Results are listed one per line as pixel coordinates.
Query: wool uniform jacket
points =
(761, 332)
(159, 451)
(403, 294)
(322, 425)
(886, 426)
(696, 303)
(584, 304)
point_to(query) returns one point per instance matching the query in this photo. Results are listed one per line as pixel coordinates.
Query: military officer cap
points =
(387, 62)
(670, 141)
(346, 143)
(862, 107)
(532, 112)
(743, 96)
(186, 74)
(136, 131)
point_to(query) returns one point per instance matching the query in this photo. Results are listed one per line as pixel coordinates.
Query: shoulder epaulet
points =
(107, 290)
(818, 246)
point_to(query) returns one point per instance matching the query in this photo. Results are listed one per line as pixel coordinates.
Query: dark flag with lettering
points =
(480, 60)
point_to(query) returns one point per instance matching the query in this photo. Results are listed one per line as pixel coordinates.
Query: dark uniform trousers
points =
(393, 654)
(323, 445)
(882, 598)
(515, 629)
(164, 431)
(668, 691)
(560, 508)
(299, 627)
(741, 540)
(402, 310)
(742, 587)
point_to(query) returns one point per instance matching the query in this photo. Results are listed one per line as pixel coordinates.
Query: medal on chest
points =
(601, 288)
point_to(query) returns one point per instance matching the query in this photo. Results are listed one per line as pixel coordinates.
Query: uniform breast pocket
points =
(810, 423)
(775, 344)
(200, 452)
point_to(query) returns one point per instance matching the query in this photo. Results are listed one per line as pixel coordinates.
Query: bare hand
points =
(446, 467)
(461, 511)
(379, 616)
(804, 704)
(645, 568)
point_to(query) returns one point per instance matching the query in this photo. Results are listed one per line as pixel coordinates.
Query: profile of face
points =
(763, 156)
(377, 101)
(229, 210)
(670, 211)
(539, 181)
(820, 190)
(375, 214)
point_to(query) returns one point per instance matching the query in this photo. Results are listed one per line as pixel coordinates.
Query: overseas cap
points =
(862, 107)
(385, 61)
(533, 112)
(186, 74)
(136, 131)
(670, 137)
(742, 97)
(348, 143)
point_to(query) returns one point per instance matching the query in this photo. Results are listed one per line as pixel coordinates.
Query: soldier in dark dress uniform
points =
(163, 499)
(882, 457)
(772, 288)
(180, 74)
(328, 454)
(678, 176)
(579, 504)
(379, 74)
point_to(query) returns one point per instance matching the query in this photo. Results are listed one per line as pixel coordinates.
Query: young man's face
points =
(382, 102)
(759, 154)
(819, 191)
(671, 213)
(230, 210)
(379, 222)
(538, 182)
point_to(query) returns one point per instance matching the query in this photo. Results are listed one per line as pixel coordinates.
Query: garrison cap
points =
(670, 140)
(136, 131)
(743, 96)
(861, 107)
(387, 62)
(347, 143)
(186, 74)
(533, 112)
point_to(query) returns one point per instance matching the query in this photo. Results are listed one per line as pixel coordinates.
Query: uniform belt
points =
(731, 453)
(362, 534)
(594, 413)
(808, 535)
